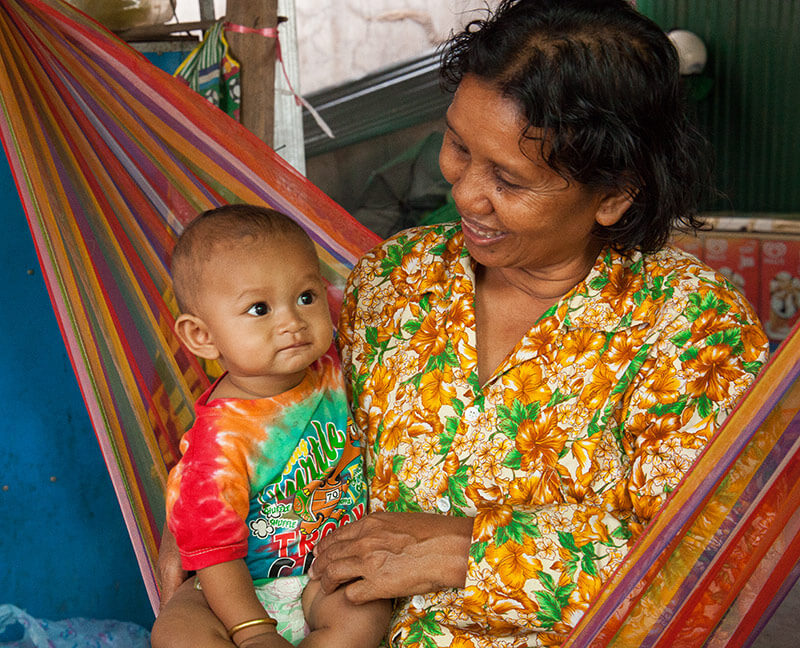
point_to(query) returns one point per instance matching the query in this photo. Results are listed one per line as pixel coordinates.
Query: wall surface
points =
(750, 110)
(341, 40)
(64, 550)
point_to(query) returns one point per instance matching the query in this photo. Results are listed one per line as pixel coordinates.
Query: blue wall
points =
(64, 548)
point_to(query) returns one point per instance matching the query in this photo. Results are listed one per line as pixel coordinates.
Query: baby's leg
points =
(335, 622)
(187, 622)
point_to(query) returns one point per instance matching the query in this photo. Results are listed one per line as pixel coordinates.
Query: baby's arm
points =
(228, 588)
(335, 622)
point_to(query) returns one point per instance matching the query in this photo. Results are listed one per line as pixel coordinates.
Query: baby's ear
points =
(194, 333)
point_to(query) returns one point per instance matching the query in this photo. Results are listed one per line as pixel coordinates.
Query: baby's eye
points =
(306, 298)
(258, 309)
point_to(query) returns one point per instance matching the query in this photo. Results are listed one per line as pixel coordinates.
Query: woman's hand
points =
(386, 555)
(169, 573)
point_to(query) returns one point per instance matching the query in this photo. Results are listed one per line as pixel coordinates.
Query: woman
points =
(532, 381)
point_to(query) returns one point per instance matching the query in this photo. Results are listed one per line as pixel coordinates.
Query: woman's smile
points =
(479, 234)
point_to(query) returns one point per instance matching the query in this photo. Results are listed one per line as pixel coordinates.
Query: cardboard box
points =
(780, 285)
(691, 243)
(738, 258)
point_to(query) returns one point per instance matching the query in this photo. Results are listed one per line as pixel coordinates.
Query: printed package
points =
(738, 258)
(780, 286)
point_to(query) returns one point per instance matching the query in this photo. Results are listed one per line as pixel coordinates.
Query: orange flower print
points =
(385, 485)
(409, 272)
(603, 380)
(583, 451)
(431, 338)
(435, 275)
(754, 342)
(590, 525)
(525, 385)
(658, 429)
(476, 597)
(513, 563)
(622, 349)
(662, 386)
(488, 520)
(646, 506)
(381, 385)
(436, 389)
(484, 494)
(581, 347)
(462, 642)
(714, 367)
(460, 319)
(543, 337)
(621, 288)
(488, 458)
(540, 441)
(709, 322)
(394, 429)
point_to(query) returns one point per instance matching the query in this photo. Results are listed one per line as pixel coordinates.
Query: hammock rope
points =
(112, 157)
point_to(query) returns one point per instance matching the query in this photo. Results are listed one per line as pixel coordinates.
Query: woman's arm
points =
(388, 555)
(169, 572)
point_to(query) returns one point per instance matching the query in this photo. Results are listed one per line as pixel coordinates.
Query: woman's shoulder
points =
(422, 238)
(424, 243)
(687, 278)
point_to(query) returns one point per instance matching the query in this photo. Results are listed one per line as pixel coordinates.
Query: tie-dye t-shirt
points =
(264, 479)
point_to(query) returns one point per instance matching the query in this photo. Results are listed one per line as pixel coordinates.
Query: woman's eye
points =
(258, 309)
(460, 148)
(456, 145)
(502, 183)
(306, 299)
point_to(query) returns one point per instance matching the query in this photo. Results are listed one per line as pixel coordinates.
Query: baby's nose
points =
(292, 321)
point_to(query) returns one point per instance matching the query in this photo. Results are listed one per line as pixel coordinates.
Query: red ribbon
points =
(267, 32)
(272, 32)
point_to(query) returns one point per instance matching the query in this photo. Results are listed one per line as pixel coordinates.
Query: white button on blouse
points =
(471, 414)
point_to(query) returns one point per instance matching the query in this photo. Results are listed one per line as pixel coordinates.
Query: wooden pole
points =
(256, 55)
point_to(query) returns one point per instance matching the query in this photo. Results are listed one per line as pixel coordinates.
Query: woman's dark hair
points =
(599, 85)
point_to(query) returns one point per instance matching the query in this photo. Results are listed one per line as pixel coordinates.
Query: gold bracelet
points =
(250, 624)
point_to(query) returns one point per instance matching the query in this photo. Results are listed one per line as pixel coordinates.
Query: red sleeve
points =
(208, 501)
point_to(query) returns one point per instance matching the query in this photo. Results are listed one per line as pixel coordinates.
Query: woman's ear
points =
(194, 333)
(613, 205)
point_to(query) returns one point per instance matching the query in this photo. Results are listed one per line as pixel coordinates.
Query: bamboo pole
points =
(256, 55)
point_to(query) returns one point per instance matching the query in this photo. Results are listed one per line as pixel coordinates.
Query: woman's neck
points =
(544, 285)
(509, 302)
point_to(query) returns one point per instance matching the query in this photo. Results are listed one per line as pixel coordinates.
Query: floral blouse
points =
(566, 451)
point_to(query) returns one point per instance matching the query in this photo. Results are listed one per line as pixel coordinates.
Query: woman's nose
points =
(469, 191)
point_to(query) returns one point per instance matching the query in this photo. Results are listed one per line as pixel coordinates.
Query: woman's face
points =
(515, 211)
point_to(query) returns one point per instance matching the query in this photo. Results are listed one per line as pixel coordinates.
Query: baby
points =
(268, 467)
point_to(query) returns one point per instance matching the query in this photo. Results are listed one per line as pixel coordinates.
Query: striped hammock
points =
(112, 157)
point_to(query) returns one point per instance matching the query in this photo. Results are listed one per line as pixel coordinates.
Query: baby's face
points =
(267, 310)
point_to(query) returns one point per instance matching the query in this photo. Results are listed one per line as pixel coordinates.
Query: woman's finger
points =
(386, 555)
(339, 572)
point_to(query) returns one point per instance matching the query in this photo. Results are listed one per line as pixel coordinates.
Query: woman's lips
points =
(480, 234)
